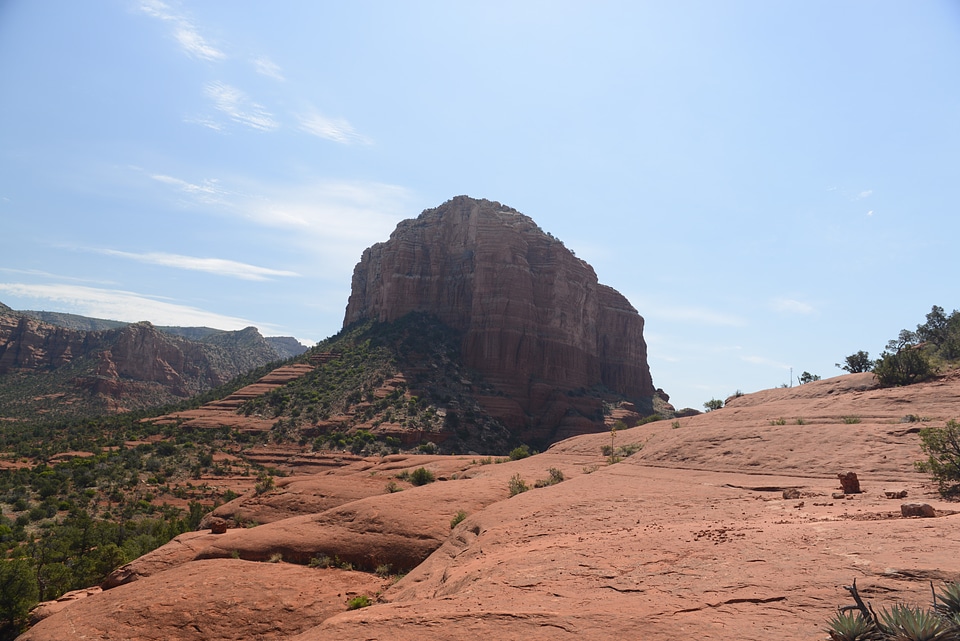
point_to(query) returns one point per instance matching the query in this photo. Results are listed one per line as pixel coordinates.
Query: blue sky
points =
(771, 184)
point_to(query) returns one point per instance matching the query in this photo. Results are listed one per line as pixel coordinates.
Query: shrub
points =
(713, 404)
(942, 447)
(358, 602)
(264, 484)
(807, 377)
(851, 420)
(457, 519)
(320, 561)
(392, 487)
(517, 485)
(556, 476)
(905, 367)
(422, 476)
(518, 453)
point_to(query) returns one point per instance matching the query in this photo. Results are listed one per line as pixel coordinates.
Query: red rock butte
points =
(535, 321)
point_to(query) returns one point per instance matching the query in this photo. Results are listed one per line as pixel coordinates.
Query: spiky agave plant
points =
(852, 626)
(904, 623)
(947, 602)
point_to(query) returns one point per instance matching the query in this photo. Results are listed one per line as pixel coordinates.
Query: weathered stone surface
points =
(535, 320)
(924, 510)
(42, 610)
(849, 482)
(688, 534)
(216, 599)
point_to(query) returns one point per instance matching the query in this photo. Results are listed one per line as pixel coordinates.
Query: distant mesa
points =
(535, 321)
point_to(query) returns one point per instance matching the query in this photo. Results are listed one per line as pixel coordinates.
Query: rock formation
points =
(129, 367)
(535, 321)
(688, 537)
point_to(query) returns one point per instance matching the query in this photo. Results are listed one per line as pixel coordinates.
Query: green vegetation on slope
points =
(914, 356)
(403, 377)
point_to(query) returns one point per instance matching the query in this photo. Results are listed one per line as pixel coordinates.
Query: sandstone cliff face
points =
(535, 321)
(126, 368)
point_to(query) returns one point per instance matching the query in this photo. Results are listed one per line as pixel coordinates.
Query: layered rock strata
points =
(129, 367)
(534, 318)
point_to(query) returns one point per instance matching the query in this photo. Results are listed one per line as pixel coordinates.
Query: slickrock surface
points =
(535, 320)
(215, 599)
(690, 537)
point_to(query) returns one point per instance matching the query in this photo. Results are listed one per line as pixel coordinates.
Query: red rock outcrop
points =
(129, 367)
(689, 536)
(535, 321)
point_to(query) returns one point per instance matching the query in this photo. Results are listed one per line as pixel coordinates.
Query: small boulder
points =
(791, 493)
(924, 510)
(838, 495)
(896, 494)
(218, 525)
(849, 482)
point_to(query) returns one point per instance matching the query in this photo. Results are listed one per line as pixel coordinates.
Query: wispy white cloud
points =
(43, 274)
(184, 31)
(208, 187)
(791, 306)
(335, 129)
(864, 194)
(870, 213)
(335, 221)
(218, 266)
(239, 108)
(114, 304)
(266, 67)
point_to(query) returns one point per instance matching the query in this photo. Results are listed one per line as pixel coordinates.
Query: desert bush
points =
(905, 367)
(807, 377)
(264, 484)
(392, 487)
(942, 447)
(358, 602)
(713, 404)
(457, 518)
(422, 476)
(851, 420)
(556, 476)
(320, 561)
(520, 452)
(517, 485)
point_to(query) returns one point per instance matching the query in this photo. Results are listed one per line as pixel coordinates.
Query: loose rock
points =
(924, 510)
